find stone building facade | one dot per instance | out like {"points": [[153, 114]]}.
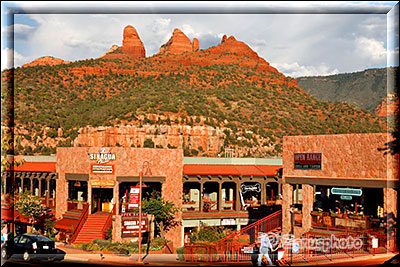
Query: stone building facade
{"points": [[347, 160], [124, 164]]}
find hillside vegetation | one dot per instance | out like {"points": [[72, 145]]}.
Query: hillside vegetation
{"points": [[253, 104]]}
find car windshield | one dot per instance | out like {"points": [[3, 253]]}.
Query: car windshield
{"points": [[41, 238]]}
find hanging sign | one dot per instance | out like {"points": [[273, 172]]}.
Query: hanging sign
{"points": [[251, 188], [134, 197], [346, 191], [308, 161]]}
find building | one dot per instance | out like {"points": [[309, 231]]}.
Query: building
{"points": [[328, 181], [338, 181]]}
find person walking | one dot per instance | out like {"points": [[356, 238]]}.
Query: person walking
{"points": [[265, 248]]}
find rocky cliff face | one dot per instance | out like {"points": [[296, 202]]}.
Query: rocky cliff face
{"points": [[179, 43], [48, 60], [131, 43], [192, 137]]}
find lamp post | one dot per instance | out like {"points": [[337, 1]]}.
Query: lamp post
{"points": [[148, 172], [140, 215]]}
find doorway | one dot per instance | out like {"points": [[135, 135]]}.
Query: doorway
{"points": [[102, 200]]}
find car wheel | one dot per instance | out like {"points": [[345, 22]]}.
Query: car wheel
{"points": [[4, 255], [26, 256]]}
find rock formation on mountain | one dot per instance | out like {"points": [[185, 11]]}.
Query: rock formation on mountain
{"points": [[179, 43], [131, 43], [195, 44], [231, 45], [47, 60]]}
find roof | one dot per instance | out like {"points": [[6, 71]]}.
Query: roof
{"points": [[232, 161], [66, 224], [36, 167], [216, 169]]}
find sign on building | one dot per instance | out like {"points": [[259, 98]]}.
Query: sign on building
{"points": [[102, 169], [228, 221], [130, 226], [308, 161], [346, 191], [134, 197]]}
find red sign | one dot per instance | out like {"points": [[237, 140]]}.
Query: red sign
{"points": [[308, 161], [131, 226], [134, 197]]}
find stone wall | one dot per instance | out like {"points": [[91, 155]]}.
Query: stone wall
{"points": [[166, 163]]}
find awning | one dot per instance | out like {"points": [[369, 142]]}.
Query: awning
{"points": [[35, 167], [216, 169], [66, 224]]}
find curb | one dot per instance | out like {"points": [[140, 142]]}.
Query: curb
{"points": [[71, 258], [360, 258]]}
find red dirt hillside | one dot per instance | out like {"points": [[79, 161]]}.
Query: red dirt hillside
{"points": [[47, 60]]}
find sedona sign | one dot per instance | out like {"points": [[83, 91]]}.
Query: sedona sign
{"points": [[102, 156], [308, 161]]}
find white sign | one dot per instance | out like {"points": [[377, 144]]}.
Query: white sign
{"points": [[228, 221], [375, 243], [248, 250], [102, 156], [295, 247], [251, 187]]}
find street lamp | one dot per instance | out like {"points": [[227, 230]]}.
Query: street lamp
{"points": [[291, 232], [148, 172]]}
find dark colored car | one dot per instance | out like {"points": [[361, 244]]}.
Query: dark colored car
{"points": [[393, 260], [31, 247]]}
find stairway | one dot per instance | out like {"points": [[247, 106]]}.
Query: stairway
{"points": [[92, 228]]}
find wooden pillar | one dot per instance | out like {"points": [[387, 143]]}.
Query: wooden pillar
{"points": [[263, 192], [238, 201], [31, 189], [40, 187], [22, 184], [219, 196], [296, 200], [48, 192], [279, 188], [4, 182], [201, 196]]}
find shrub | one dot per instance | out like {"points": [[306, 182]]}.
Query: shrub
{"points": [[181, 253]]}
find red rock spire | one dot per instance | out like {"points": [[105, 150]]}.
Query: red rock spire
{"points": [[131, 43]]}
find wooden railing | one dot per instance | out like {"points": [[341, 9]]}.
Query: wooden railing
{"points": [[81, 222], [229, 249], [108, 221]]}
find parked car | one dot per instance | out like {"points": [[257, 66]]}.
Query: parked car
{"points": [[394, 260], [31, 247]]}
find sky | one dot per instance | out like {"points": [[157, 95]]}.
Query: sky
{"points": [[299, 39]]}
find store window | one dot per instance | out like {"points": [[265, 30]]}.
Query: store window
{"points": [[77, 190]]}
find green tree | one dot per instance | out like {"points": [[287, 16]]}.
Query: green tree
{"points": [[30, 206], [164, 213]]}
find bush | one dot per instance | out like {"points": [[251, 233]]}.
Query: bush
{"points": [[181, 253]]}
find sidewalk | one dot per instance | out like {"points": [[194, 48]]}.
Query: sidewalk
{"points": [[325, 262], [107, 258]]}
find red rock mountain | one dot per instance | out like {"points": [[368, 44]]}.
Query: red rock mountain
{"points": [[131, 43], [179, 43], [47, 60]]}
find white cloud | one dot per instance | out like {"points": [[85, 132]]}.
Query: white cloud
{"points": [[7, 58], [371, 48], [295, 70]]}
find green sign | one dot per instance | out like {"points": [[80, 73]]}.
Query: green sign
{"points": [[344, 197], [346, 191]]}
